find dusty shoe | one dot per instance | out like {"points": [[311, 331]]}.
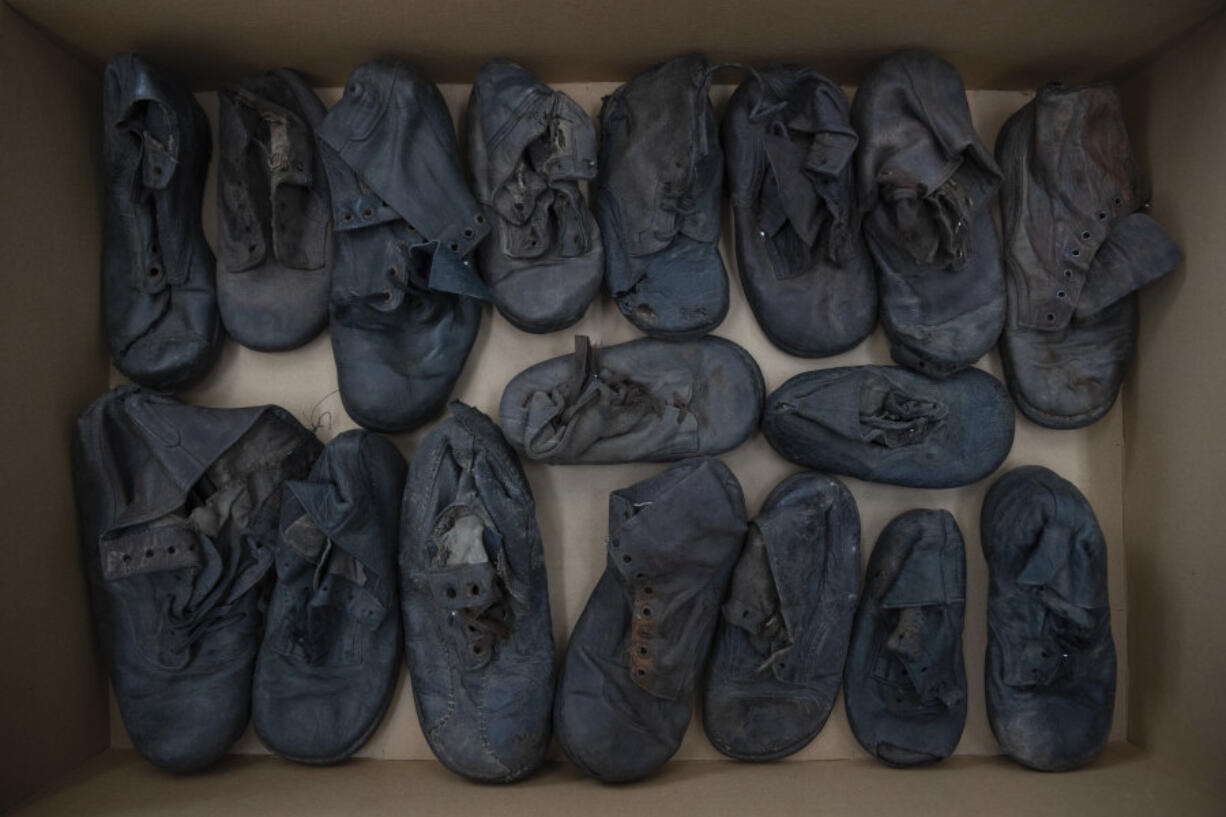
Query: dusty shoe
{"points": [[779, 649], [1050, 669], [905, 684], [178, 510], [529, 147], [1076, 251], [476, 602], [331, 653], [159, 300], [658, 200], [887, 424], [627, 685], [274, 215], [804, 267], [641, 401], [926, 182], [405, 308]]}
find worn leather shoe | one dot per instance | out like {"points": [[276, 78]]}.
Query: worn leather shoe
{"points": [[405, 297], [888, 424], [274, 214], [178, 510], [788, 146], [642, 401], [1076, 251], [925, 185], [529, 147], [626, 691], [159, 298], [779, 648], [1050, 668], [905, 685], [331, 653], [476, 602]]}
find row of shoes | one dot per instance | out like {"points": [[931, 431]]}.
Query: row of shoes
{"points": [[362, 218], [238, 570]]}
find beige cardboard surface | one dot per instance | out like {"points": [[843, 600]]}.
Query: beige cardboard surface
{"points": [[1176, 465], [997, 45], [1122, 783], [52, 695], [572, 501]]}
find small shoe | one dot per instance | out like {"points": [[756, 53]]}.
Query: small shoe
{"points": [[905, 684], [804, 266], [779, 648], [658, 200], [642, 401], [907, 429], [406, 301], [1050, 668], [627, 686], [159, 297], [178, 510], [274, 214], [529, 147], [925, 185], [1076, 251], [475, 601], [330, 660]]}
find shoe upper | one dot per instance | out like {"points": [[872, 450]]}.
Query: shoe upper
{"points": [[658, 200], [905, 682], [888, 424], [475, 600], [645, 400], [788, 146], [178, 512], [926, 182], [1050, 668], [159, 298], [405, 303], [780, 645], [274, 213], [529, 148], [1076, 250], [330, 657], [626, 691]]}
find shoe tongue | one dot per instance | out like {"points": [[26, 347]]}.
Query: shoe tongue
{"points": [[1064, 562], [1135, 252], [922, 579], [753, 600]]}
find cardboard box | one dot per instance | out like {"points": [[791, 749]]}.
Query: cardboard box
{"points": [[1152, 468]]}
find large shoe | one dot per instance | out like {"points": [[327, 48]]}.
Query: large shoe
{"points": [[642, 401], [779, 650], [274, 214], [627, 686], [905, 684], [159, 299], [475, 600], [926, 183], [529, 147], [178, 515], [405, 297], [807, 275], [331, 653], [888, 424], [1050, 669], [1076, 251], [658, 200]]}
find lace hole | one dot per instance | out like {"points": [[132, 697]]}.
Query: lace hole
{"points": [[1076, 253], [1118, 200], [647, 591], [127, 558], [640, 672], [1085, 235], [347, 217], [450, 592], [1060, 293], [1051, 316], [626, 558], [744, 614], [646, 612], [474, 590], [642, 650], [170, 549], [454, 246], [480, 219], [368, 212], [388, 296], [155, 271], [148, 554], [1102, 215], [469, 232], [1068, 273], [477, 649]]}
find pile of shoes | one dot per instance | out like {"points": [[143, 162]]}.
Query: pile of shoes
{"points": [[240, 571]]}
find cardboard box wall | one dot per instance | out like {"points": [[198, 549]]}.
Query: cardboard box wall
{"points": [[1153, 468]]}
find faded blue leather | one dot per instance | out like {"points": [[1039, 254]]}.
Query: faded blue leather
{"points": [[475, 600], [330, 659], [178, 509], [905, 682], [779, 649]]}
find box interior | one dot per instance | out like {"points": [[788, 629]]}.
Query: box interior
{"points": [[1151, 469]]}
